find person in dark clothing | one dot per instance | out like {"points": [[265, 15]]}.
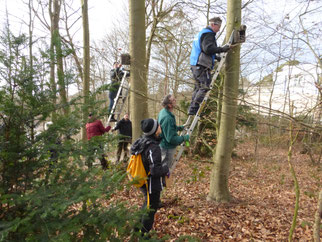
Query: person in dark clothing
{"points": [[148, 146], [202, 58], [125, 130], [116, 78], [94, 127]]}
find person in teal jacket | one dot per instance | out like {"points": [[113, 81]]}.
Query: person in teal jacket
{"points": [[170, 138]]}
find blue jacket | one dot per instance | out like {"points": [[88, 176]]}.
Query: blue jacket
{"points": [[197, 55]]}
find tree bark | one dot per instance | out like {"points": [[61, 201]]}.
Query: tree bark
{"points": [[86, 63], [59, 57], [53, 84], [318, 217], [31, 27], [57, 54], [219, 190], [138, 101]]}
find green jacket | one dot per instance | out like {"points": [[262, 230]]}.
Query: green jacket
{"points": [[170, 137]]}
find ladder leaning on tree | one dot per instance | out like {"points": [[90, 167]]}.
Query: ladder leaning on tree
{"points": [[123, 91], [236, 37]]}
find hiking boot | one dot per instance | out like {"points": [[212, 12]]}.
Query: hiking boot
{"points": [[125, 159], [113, 119], [161, 204]]}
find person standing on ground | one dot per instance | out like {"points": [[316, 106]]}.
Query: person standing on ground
{"points": [[94, 127], [125, 130], [202, 58], [148, 147], [170, 138]]}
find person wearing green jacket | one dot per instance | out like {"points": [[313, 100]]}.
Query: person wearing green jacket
{"points": [[170, 138]]}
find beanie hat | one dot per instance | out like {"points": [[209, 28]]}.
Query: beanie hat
{"points": [[149, 126]]}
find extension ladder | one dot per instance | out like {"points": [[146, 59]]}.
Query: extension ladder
{"points": [[236, 37], [119, 100]]}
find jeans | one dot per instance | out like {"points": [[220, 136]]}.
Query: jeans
{"points": [[111, 96], [167, 156]]}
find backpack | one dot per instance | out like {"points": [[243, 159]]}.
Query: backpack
{"points": [[137, 173]]}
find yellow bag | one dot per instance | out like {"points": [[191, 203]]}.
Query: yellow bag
{"points": [[137, 174]]}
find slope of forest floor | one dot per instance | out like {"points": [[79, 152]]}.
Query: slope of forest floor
{"points": [[263, 199]]}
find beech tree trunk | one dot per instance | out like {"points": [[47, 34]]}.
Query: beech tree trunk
{"points": [[138, 100], [219, 190], [317, 222], [53, 84], [57, 54], [86, 63]]}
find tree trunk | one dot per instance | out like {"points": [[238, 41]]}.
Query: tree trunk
{"points": [[53, 84], [30, 27], [71, 44], [219, 190], [138, 101], [59, 57], [57, 54], [318, 217], [86, 63]]}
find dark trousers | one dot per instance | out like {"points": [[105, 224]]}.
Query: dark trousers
{"points": [[103, 162], [102, 158], [147, 220], [202, 78], [122, 146]]}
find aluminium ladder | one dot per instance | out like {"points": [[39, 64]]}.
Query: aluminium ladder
{"points": [[120, 100], [236, 37]]}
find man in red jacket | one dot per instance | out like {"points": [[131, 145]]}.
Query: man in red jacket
{"points": [[94, 127]]}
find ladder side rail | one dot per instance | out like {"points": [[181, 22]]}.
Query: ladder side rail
{"points": [[123, 99], [117, 98], [197, 116], [182, 146], [184, 131], [125, 90]]}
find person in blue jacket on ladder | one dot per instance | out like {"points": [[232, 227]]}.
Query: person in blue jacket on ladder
{"points": [[202, 58]]}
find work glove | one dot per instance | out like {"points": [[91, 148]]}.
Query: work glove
{"points": [[186, 137], [225, 48], [180, 128], [185, 125], [218, 58]]}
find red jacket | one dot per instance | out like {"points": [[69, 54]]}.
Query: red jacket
{"points": [[95, 128]]}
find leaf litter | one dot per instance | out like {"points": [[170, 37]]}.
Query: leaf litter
{"points": [[262, 205]]}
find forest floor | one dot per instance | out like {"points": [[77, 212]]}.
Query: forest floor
{"points": [[263, 199]]}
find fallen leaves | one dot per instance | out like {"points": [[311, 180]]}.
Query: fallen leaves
{"points": [[262, 206]]}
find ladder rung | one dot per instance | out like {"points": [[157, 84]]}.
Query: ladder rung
{"points": [[202, 104]]}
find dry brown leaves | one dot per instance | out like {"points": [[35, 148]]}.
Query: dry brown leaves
{"points": [[263, 199]]}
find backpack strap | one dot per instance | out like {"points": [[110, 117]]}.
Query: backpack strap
{"points": [[147, 195], [145, 161]]}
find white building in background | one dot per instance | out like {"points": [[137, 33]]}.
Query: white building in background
{"points": [[294, 84]]}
